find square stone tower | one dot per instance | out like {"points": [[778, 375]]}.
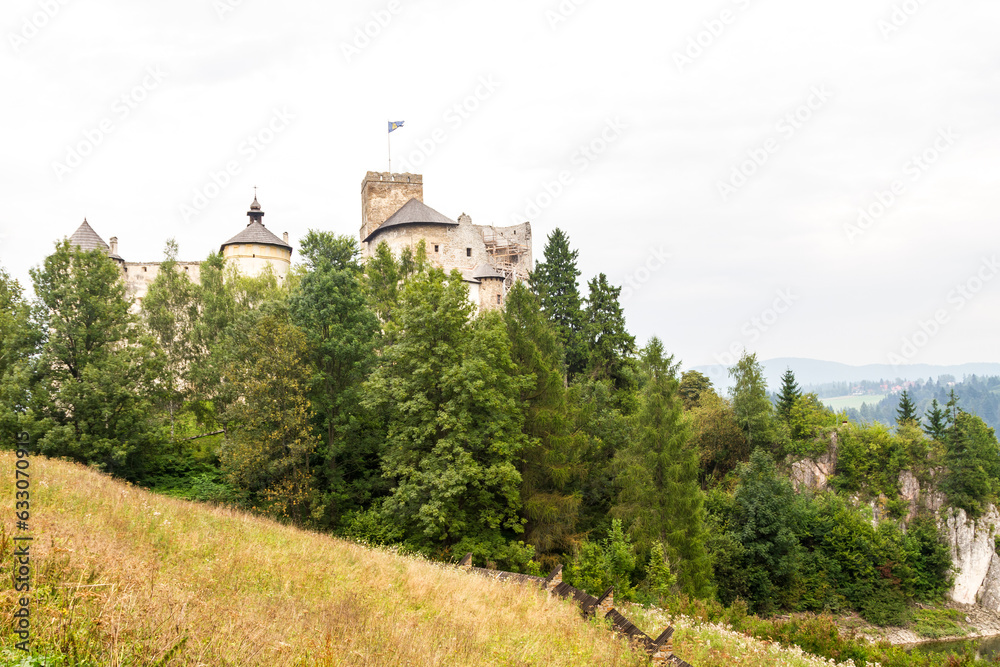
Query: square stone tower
{"points": [[382, 194]]}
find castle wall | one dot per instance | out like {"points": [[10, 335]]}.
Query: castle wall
{"points": [[139, 276]]}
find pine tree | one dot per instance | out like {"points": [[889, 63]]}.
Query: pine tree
{"points": [[555, 282], [936, 423], [788, 395], [609, 344], [660, 498], [906, 412]]}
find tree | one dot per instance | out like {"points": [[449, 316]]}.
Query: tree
{"points": [[693, 385], [718, 437], [609, 345], [555, 282], [551, 467], [972, 457], [659, 497], [751, 406], [936, 421], [18, 340], [449, 391], [762, 522], [329, 307], [95, 371], [788, 395], [906, 412], [269, 444], [170, 312]]}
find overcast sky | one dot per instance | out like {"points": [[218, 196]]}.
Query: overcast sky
{"points": [[713, 158]]}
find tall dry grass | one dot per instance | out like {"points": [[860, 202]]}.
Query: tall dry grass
{"points": [[126, 577]]}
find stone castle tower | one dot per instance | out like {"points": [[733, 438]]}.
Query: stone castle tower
{"points": [[491, 259]]}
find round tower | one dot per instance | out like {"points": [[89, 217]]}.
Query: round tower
{"points": [[255, 248]]}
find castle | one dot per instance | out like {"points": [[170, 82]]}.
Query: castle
{"points": [[490, 259]]}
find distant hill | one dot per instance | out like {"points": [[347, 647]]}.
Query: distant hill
{"points": [[816, 372]]}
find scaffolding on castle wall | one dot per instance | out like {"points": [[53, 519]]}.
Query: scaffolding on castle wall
{"points": [[506, 256]]}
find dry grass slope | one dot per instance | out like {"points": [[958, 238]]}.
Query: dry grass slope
{"points": [[125, 577]]}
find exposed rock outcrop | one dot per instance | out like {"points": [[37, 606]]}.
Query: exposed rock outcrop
{"points": [[972, 544]]}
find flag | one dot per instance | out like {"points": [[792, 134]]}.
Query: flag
{"points": [[397, 124]]}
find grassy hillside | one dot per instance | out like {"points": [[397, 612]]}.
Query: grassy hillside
{"points": [[125, 577]]}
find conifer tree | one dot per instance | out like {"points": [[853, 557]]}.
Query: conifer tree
{"points": [[609, 344], [936, 421], [788, 395], [906, 412], [659, 496], [554, 280], [551, 469]]}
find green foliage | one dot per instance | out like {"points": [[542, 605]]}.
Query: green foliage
{"points": [[906, 412], [928, 554], [596, 566], [938, 623], [609, 345], [552, 466], [936, 423], [659, 496], [693, 385], [751, 406], [869, 459], [170, 312], [660, 581], [718, 437], [554, 280], [496, 553], [788, 396], [809, 422], [18, 340], [341, 332], [94, 375], [761, 552], [448, 389], [972, 457], [269, 444]]}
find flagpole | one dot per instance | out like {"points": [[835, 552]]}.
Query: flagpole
{"points": [[389, 141]]}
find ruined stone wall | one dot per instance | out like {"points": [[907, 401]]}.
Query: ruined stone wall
{"points": [[382, 194]]}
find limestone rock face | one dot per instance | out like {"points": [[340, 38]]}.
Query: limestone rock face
{"points": [[814, 473], [972, 552], [988, 595]]}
